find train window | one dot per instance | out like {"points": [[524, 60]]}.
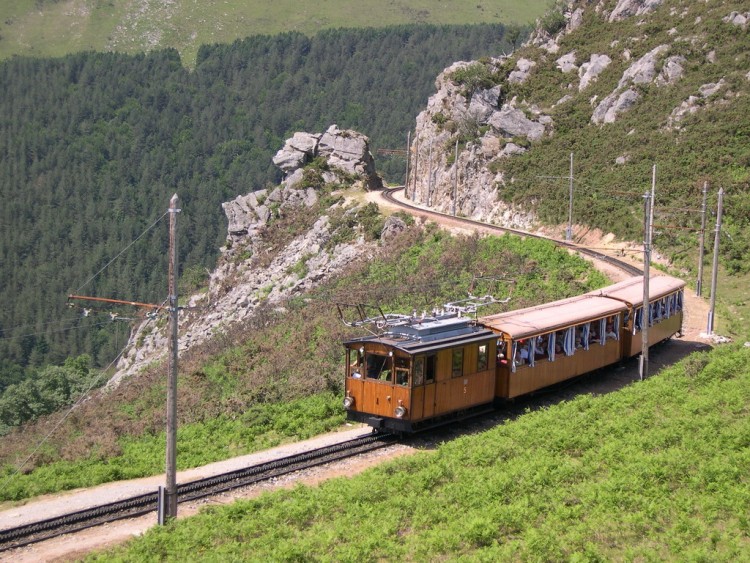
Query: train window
{"points": [[430, 368], [419, 370], [568, 341], [482, 357], [457, 364], [379, 367], [356, 359], [402, 371]]}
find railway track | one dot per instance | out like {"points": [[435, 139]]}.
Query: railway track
{"points": [[143, 504], [388, 195]]}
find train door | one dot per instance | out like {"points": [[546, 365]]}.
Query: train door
{"points": [[424, 375]]}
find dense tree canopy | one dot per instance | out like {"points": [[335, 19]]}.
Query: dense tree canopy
{"points": [[94, 144]]}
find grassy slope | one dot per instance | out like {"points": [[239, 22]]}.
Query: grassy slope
{"points": [[134, 25], [277, 380], [656, 471]]}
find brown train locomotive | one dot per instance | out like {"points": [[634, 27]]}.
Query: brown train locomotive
{"points": [[421, 371]]}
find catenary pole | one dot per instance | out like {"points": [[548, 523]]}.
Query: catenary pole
{"points": [[429, 178], [416, 165], [643, 366], [569, 234], [408, 156], [455, 179], [715, 269], [701, 243], [171, 486]]}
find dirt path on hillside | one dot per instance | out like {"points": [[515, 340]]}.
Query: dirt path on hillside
{"points": [[75, 546]]}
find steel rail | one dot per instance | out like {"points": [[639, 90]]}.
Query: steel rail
{"points": [[138, 505], [624, 266]]}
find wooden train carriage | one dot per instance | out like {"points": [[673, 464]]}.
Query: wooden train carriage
{"points": [[543, 345], [421, 372], [665, 309]]}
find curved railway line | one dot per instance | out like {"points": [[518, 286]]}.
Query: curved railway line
{"points": [[145, 503], [388, 195]]}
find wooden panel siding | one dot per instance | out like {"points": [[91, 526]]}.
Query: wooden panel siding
{"points": [[656, 333], [527, 378], [377, 397]]}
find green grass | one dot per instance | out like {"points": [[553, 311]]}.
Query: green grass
{"points": [[199, 443], [657, 471], [244, 395], [53, 28]]}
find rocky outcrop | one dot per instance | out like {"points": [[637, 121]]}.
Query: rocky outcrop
{"points": [[237, 287], [693, 104], [346, 152], [739, 19], [627, 8], [590, 70], [643, 71], [498, 129]]}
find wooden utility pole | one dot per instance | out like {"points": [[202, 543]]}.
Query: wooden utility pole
{"points": [[701, 243], [429, 178], [715, 269], [643, 366], [416, 165], [455, 178], [408, 157], [171, 486], [569, 234]]}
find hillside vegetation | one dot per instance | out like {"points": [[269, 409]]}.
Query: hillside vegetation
{"points": [[655, 472], [52, 28], [95, 144], [278, 377]]}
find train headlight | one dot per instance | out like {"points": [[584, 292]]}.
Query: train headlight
{"points": [[400, 411], [348, 402]]}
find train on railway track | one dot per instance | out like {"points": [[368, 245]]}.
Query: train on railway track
{"points": [[420, 371]]}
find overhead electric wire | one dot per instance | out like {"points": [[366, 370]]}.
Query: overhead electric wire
{"points": [[121, 252], [80, 399], [65, 329]]}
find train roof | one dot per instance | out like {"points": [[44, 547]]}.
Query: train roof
{"points": [[557, 315], [631, 290], [421, 335]]}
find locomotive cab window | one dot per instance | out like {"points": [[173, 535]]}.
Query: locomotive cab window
{"points": [[379, 367], [355, 363]]}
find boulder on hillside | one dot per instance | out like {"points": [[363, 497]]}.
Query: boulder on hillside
{"points": [[297, 151], [514, 123], [627, 8], [344, 150]]}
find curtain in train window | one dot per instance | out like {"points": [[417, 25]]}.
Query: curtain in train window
{"points": [[670, 305], [569, 342], [617, 324], [532, 351], [585, 335], [638, 324], [602, 331], [551, 346], [513, 357], [678, 307]]}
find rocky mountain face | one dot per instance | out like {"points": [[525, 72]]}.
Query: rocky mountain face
{"points": [[482, 115], [239, 285], [471, 127]]}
